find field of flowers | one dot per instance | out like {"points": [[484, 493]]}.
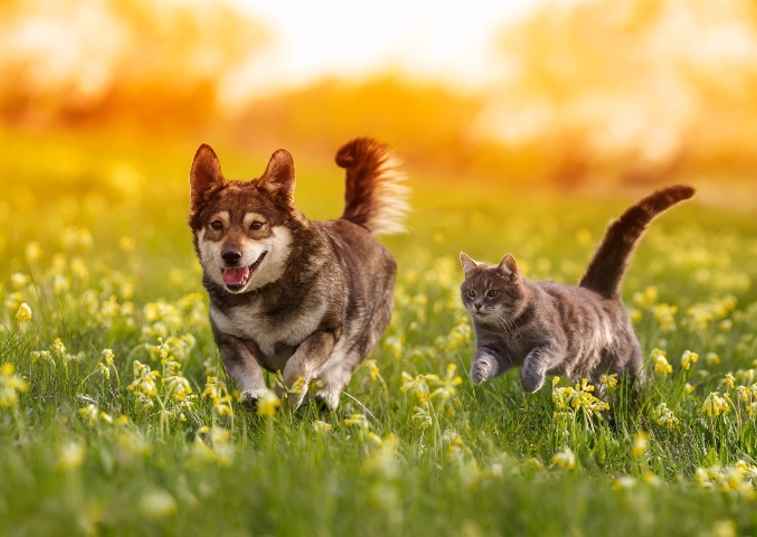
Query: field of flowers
{"points": [[116, 417]]}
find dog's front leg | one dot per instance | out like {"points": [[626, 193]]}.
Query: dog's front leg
{"points": [[307, 359], [243, 367]]}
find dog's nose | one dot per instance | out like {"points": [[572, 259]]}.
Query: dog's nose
{"points": [[231, 257]]}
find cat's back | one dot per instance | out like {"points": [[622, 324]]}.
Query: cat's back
{"points": [[580, 308]]}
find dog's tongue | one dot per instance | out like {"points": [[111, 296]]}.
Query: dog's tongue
{"points": [[235, 276]]}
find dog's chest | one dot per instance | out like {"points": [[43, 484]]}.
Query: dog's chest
{"points": [[274, 335]]}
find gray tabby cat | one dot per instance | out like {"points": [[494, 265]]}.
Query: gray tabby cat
{"points": [[557, 329]]}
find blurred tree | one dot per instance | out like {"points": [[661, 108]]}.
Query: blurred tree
{"points": [[646, 87], [119, 60], [427, 122]]}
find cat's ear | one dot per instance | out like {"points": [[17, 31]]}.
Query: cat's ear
{"points": [[509, 266], [468, 264]]}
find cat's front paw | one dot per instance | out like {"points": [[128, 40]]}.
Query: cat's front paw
{"points": [[480, 371], [531, 381]]}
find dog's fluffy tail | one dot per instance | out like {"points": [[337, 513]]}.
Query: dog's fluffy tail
{"points": [[375, 197], [610, 262]]}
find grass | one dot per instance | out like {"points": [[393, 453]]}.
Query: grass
{"points": [[103, 258]]}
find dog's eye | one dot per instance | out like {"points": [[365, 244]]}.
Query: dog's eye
{"points": [[492, 293], [471, 293], [256, 225], [217, 225]]}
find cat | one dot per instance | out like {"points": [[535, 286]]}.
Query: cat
{"points": [[550, 328]]}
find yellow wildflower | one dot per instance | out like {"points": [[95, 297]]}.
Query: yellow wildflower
{"points": [[417, 384], [422, 416], [157, 503], [373, 369], [177, 386], [564, 459], [712, 358], [222, 406], [59, 348], [321, 427], [609, 380], [18, 280], [42, 355], [268, 403], [126, 244], [215, 388], [715, 405], [724, 528], [10, 385], [24, 314], [665, 315], [296, 388], [661, 365], [624, 482], [108, 356], [33, 252], [446, 384], [144, 380], [358, 420], [640, 444], [729, 380], [664, 417], [646, 298], [89, 414], [71, 455], [688, 359]]}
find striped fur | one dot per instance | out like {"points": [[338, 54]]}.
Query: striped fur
{"points": [[550, 328], [610, 262], [375, 197]]}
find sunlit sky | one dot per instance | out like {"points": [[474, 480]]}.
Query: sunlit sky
{"points": [[451, 41]]}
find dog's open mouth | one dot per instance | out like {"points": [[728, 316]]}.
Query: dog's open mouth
{"points": [[236, 278]]}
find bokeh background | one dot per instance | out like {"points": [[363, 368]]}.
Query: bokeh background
{"points": [[103, 103]]}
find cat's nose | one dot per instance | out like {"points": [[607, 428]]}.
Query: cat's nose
{"points": [[477, 305]]}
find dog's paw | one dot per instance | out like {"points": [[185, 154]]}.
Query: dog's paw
{"points": [[250, 399], [327, 400], [480, 371]]}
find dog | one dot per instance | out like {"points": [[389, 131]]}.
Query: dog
{"points": [[307, 298]]}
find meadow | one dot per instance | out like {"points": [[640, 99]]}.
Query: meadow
{"points": [[116, 417]]}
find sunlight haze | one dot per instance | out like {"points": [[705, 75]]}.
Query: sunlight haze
{"points": [[449, 42]]}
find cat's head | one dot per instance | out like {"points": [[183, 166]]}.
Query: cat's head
{"points": [[492, 290]]}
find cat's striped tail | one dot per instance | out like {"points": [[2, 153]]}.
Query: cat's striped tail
{"points": [[375, 197], [610, 261]]}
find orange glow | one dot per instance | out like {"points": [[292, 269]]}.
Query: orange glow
{"points": [[564, 93]]}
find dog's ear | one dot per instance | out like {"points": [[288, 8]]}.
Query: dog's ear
{"points": [[204, 176], [278, 179]]}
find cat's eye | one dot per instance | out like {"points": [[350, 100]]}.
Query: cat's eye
{"points": [[256, 225], [492, 293], [217, 225], [471, 293]]}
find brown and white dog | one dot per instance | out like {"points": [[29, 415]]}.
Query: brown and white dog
{"points": [[310, 299]]}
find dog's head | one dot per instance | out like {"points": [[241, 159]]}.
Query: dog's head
{"points": [[242, 230]]}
